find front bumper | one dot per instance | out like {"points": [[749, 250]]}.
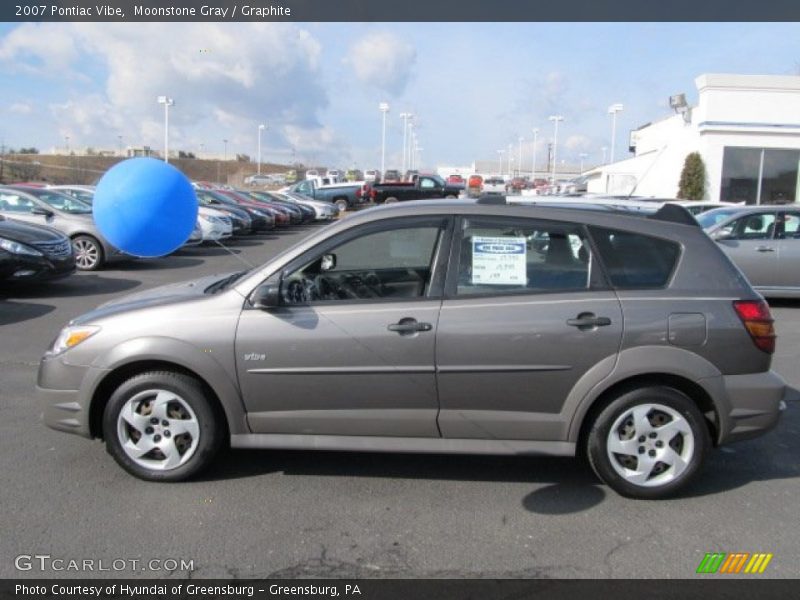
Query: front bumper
{"points": [[59, 390]]}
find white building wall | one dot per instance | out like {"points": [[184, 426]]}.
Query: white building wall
{"points": [[754, 111]]}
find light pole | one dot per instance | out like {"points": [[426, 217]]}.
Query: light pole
{"points": [[510, 155], [384, 108], [555, 119], [582, 156], [119, 144], [604, 149], [519, 163], [226, 149], [167, 102], [200, 152], [533, 162], [66, 140], [613, 110], [419, 155], [406, 118], [500, 154], [261, 128]]}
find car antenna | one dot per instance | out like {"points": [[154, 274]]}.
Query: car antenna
{"points": [[646, 171], [232, 253]]}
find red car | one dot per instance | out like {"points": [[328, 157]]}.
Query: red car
{"points": [[282, 218]]}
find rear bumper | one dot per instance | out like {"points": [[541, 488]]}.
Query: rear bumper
{"points": [[755, 402]]}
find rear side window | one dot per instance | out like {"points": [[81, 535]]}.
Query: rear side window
{"points": [[635, 261]]}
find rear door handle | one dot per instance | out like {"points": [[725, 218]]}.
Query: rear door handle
{"points": [[409, 326], [588, 321], [765, 249]]}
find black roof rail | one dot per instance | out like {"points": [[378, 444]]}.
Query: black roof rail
{"points": [[674, 213], [491, 199]]}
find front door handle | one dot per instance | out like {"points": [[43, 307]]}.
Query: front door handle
{"points": [[765, 249], [588, 321], [409, 326]]}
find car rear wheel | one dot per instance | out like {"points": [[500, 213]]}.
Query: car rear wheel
{"points": [[161, 426], [648, 443], [341, 204], [451, 196], [390, 200], [89, 255]]}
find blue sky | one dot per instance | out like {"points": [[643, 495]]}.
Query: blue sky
{"points": [[474, 87]]}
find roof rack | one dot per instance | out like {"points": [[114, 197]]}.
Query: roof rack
{"points": [[667, 212]]}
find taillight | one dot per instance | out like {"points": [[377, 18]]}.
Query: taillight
{"points": [[758, 321]]}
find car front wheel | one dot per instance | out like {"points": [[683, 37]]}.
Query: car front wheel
{"points": [[89, 254], [161, 426], [341, 204], [648, 443]]}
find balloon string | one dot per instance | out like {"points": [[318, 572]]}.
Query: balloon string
{"points": [[232, 253]]}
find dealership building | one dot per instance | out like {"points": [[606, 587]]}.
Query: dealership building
{"points": [[745, 127]]}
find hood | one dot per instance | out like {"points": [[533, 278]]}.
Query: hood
{"points": [[164, 295], [28, 233]]}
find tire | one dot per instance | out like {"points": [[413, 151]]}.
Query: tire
{"points": [[183, 405], [342, 204], [390, 200], [672, 429], [89, 254], [451, 196]]}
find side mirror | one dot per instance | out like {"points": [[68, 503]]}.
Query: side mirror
{"points": [[328, 262], [38, 210], [722, 234], [267, 295]]}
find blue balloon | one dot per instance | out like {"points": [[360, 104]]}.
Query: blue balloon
{"points": [[145, 207]]}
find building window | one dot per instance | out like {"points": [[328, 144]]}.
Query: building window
{"points": [[760, 175]]}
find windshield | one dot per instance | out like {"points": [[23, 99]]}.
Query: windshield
{"points": [[712, 217]]}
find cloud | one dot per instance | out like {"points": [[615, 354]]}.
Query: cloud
{"points": [[20, 108], [579, 143], [383, 61], [225, 78]]}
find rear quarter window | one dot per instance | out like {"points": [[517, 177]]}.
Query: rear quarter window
{"points": [[635, 261]]}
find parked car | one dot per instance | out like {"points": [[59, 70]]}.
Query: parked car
{"points": [[372, 176], [431, 295], [391, 176], [697, 207], [344, 196], [457, 181], [301, 214], [423, 187], [335, 175], [215, 224], [494, 185], [241, 222], [324, 211], [282, 218], [763, 241], [33, 252], [196, 237], [81, 192], [474, 186], [260, 219], [517, 184], [72, 217], [258, 180]]}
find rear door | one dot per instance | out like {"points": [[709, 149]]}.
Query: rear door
{"points": [[526, 314]]}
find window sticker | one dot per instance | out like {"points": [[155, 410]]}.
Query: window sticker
{"points": [[499, 261]]}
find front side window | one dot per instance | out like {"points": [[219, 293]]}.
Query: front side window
{"points": [[635, 261], [788, 226], [525, 256], [759, 226], [64, 202], [393, 264]]}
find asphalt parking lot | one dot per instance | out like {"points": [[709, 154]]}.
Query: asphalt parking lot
{"points": [[306, 514]]}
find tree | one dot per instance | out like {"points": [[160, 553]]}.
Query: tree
{"points": [[30, 150], [692, 185], [243, 158]]}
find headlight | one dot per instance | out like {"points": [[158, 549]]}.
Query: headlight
{"points": [[71, 336], [17, 248]]}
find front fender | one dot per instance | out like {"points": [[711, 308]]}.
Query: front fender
{"points": [[170, 350]]}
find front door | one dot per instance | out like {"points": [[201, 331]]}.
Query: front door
{"points": [[525, 316], [350, 351], [751, 244]]}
